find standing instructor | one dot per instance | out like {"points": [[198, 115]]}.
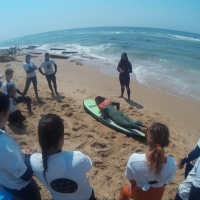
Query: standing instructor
{"points": [[49, 72], [124, 68]]}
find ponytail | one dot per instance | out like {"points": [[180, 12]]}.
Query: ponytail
{"points": [[45, 160], [50, 131], [158, 138]]}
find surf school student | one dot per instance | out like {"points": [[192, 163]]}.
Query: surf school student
{"points": [[18, 99], [189, 189], [124, 68], [15, 171], [15, 115], [30, 68], [62, 172], [148, 173], [50, 73], [117, 116], [190, 159]]}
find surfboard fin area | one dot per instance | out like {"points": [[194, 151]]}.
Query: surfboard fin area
{"points": [[92, 109]]}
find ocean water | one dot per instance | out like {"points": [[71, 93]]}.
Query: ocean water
{"points": [[164, 59]]}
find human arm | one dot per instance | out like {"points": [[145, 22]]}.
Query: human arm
{"points": [[195, 187], [129, 68], [55, 66], [19, 92], [194, 154], [29, 67], [31, 70], [117, 104], [40, 70]]}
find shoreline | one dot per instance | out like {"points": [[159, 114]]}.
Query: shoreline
{"points": [[108, 149]]}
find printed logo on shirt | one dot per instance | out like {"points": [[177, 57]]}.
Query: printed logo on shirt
{"points": [[64, 185], [48, 65]]}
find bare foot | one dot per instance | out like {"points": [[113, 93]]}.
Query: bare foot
{"points": [[121, 96]]}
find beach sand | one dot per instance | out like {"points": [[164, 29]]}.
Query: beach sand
{"points": [[108, 149]]}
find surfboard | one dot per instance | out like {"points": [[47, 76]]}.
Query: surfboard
{"points": [[92, 109]]}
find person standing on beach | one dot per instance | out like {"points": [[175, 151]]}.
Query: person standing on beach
{"points": [[15, 170], [63, 173], [124, 68], [149, 173], [189, 189], [18, 99], [190, 159], [30, 68], [50, 73]]}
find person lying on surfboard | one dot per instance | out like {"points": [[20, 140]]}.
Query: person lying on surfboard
{"points": [[118, 117]]}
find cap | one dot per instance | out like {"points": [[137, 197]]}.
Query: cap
{"points": [[124, 54]]}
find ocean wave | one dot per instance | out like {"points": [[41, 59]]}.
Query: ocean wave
{"points": [[184, 37]]}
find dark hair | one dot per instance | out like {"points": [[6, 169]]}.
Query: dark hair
{"points": [[9, 71], [27, 55], [46, 54], [99, 100], [158, 138], [4, 103], [50, 131]]}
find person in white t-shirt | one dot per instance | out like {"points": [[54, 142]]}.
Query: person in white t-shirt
{"points": [[149, 173], [30, 68], [18, 99], [62, 172], [50, 73], [189, 189], [15, 170], [15, 115]]}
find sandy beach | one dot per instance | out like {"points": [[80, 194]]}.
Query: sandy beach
{"points": [[108, 149]]}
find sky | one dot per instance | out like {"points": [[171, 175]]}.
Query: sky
{"points": [[25, 17]]}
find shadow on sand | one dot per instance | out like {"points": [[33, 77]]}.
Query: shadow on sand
{"points": [[134, 104]]}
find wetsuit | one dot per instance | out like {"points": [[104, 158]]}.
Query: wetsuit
{"points": [[117, 116], [124, 77]]}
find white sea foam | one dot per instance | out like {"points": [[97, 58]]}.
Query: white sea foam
{"points": [[183, 37]]}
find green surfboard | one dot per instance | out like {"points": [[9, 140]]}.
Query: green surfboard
{"points": [[91, 108]]}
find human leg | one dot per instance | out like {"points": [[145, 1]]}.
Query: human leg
{"points": [[129, 123], [121, 80], [53, 78], [127, 82], [48, 77], [34, 81], [25, 99], [30, 192], [126, 193], [92, 196], [27, 85]]}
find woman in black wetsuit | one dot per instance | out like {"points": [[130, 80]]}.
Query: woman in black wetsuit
{"points": [[124, 68], [117, 116]]}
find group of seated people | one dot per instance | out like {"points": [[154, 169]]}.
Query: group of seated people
{"points": [[63, 173]]}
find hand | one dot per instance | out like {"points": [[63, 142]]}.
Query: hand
{"points": [[180, 165], [101, 118], [121, 71], [25, 151], [35, 67]]}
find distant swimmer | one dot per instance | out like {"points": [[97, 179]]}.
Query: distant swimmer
{"points": [[124, 68], [50, 69]]}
